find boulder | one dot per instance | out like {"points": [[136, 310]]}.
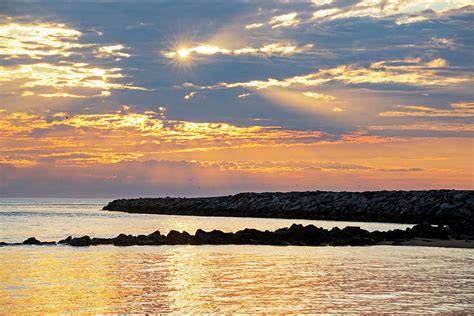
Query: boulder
{"points": [[65, 241], [157, 238], [176, 238], [425, 230], [215, 237], [32, 241], [124, 240], [101, 241], [81, 241], [253, 236]]}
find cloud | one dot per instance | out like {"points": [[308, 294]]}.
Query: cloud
{"points": [[278, 21], [125, 134], [284, 20], [322, 14], [320, 96], [442, 42], [65, 95], [273, 49], [38, 40], [404, 12], [407, 72], [111, 51], [58, 76], [321, 2], [411, 19], [190, 95], [288, 166], [194, 178], [465, 109], [430, 127], [254, 26], [63, 79]]}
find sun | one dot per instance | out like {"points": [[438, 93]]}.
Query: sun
{"points": [[183, 53], [179, 53]]}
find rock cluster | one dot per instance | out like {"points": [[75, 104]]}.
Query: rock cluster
{"points": [[34, 241], [297, 235], [433, 206]]}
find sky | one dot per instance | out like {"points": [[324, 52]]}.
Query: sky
{"points": [[202, 98]]}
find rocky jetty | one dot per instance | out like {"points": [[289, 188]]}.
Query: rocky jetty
{"points": [[296, 235], [433, 206]]}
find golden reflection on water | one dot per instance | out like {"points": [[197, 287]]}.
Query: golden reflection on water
{"points": [[55, 281], [235, 279]]}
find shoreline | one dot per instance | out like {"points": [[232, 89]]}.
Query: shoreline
{"points": [[295, 235]]}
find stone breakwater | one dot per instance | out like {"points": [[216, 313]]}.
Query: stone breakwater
{"points": [[433, 206], [296, 235]]}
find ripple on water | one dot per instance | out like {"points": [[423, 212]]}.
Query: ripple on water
{"points": [[236, 279]]}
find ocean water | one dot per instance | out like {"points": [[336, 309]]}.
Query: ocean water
{"points": [[230, 278], [54, 219]]}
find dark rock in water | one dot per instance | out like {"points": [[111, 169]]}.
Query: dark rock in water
{"points": [[425, 230], [65, 241], [253, 237], [101, 241], [157, 238], [215, 237], [309, 235], [155, 235], [447, 207], [125, 240], [32, 241], [296, 234], [81, 241], [355, 230], [396, 234], [176, 238]]}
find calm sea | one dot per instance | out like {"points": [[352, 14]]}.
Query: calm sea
{"points": [[213, 278]]}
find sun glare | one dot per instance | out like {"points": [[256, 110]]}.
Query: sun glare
{"points": [[183, 53], [179, 53]]}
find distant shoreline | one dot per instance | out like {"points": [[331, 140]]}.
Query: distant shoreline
{"points": [[437, 207]]}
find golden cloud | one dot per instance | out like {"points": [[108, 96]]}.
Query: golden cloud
{"points": [[38, 40], [285, 20], [273, 49], [254, 26], [408, 72], [60, 78], [319, 96], [190, 95], [278, 21], [108, 137], [63, 79], [407, 12], [99, 144], [465, 109], [438, 126], [111, 51]]}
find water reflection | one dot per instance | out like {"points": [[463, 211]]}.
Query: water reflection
{"points": [[235, 279]]}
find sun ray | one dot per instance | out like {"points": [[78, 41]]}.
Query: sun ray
{"points": [[178, 53]]}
